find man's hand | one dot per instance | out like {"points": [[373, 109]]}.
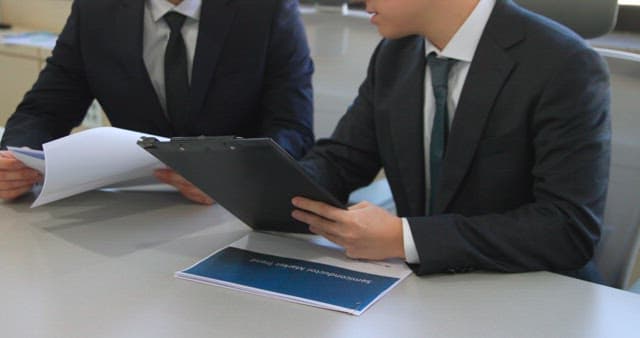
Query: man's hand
{"points": [[365, 231], [16, 179], [185, 187]]}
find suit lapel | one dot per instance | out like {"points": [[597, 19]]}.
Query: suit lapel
{"points": [[215, 20], [489, 71], [129, 29], [407, 128]]}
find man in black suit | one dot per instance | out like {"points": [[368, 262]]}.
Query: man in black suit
{"points": [[492, 125], [171, 68]]}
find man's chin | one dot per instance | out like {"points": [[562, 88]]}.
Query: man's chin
{"points": [[392, 35]]}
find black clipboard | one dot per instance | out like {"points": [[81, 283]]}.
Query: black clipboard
{"points": [[253, 178]]}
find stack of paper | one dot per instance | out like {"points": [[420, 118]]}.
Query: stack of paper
{"points": [[88, 160]]}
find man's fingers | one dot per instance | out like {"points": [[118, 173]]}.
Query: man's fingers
{"points": [[15, 178], [20, 175], [13, 185], [5, 154], [335, 239], [13, 194], [197, 196], [360, 205], [318, 223], [185, 187], [320, 208], [170, 177], [9, 162], [321, 227]]}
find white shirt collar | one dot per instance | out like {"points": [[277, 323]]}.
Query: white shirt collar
{"points": [[464, 43], [188, 8]]}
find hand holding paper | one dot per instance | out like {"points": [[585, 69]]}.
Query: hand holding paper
{"points": [[87, 160], [16, 179]]}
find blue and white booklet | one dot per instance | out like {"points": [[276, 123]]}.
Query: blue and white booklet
{"points": [[299, 268]]}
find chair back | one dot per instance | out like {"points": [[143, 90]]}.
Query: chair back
{"points": [[618, 246], [619, 241], [589, 18]]}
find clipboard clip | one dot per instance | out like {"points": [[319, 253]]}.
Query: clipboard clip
{"points": [[147, 142]]}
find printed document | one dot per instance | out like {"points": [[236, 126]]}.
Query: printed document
{"points": [[303, 269], [91, 159]]}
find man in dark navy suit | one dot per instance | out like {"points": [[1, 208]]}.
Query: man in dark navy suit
{"points": [[171, 68], [492, 124]]}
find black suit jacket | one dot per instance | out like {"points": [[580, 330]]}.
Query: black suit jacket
{"points": [[251, 75], [526, 169]]}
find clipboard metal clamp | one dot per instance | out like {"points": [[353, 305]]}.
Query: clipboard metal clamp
{"points": [[147, 142]]}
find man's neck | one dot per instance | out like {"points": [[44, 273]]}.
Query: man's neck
{"points": [[175, 2], [445, 21]]}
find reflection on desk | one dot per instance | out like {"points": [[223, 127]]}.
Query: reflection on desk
{"points": [[101, 264]]}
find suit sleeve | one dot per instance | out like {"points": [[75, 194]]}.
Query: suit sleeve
{"points": [[60, 97], [560, 229], [287, 99]]}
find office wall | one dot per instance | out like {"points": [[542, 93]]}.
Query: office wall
{"points": [[47, 15], [340, 47], [20, 66]]}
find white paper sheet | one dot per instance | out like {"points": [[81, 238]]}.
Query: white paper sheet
{"points": [[88, 160]]}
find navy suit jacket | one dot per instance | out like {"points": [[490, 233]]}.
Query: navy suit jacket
{"points": [[251, 75], [525, 174]]}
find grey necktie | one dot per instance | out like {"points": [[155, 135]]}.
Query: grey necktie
{"points": [[439, 68], [176, 74]]}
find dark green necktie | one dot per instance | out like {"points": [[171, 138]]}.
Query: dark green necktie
{"points": [[440, 131], [176, 73]]}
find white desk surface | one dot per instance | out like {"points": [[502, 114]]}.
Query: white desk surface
{"points": [[101, 264]]}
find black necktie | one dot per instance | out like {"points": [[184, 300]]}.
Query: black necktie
{"points": [[176, 73], [439, 133]]}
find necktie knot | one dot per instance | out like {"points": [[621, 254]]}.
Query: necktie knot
{"points": [[440, 68], [175, 21]]}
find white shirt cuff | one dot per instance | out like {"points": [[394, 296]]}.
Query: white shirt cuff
{"points": [[410, 251]]}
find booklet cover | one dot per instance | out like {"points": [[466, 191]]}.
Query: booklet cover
{"points": [[303, 270]]}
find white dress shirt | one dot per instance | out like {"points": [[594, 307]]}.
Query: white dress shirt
{"points": [[156, 36], [462, 48]]}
